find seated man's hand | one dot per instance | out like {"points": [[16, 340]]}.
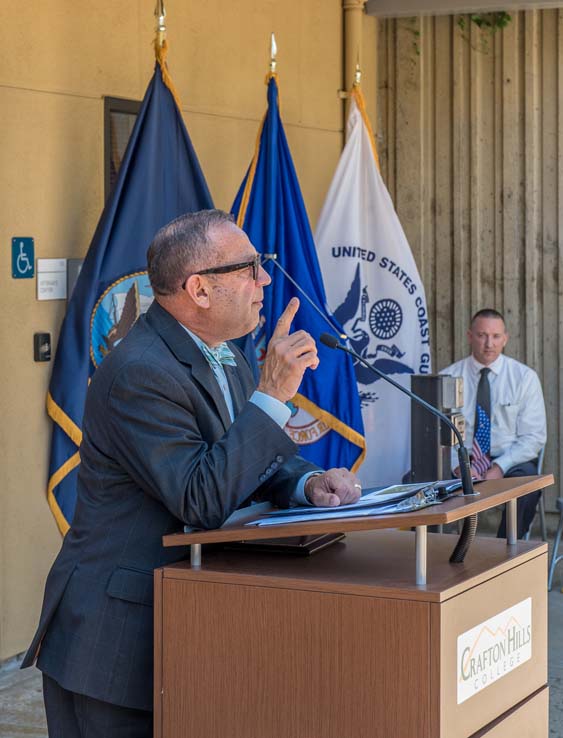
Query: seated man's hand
{"points": [[495, 472], [474, 473], [332, 488]]}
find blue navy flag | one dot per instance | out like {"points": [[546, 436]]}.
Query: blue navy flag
{"points": [[159, 179], [326, 418]]}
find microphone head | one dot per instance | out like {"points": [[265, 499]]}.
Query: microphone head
{"points": [[329, 340]]}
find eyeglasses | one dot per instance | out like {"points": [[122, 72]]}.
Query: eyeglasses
{"points": [[254, 263]]}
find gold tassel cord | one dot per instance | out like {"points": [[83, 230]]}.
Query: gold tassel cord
{"points": [[358, 96], [160, 52]]}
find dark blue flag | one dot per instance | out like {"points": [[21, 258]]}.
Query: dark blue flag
{"points": [[159, 179], [326, 418]]}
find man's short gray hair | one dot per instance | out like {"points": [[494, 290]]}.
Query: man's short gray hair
{"points": [[180, 247]]}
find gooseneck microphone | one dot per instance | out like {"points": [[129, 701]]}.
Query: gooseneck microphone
{"points": [[470, 523]]}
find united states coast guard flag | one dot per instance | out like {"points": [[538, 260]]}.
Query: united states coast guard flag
{"points": [[158, 180], [375, 292], [326, 418]]}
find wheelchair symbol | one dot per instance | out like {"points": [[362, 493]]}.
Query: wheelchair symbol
{"points": [[23, 265]]}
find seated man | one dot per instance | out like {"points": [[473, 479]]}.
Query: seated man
{"points": [[174, 433], [504, 411]]}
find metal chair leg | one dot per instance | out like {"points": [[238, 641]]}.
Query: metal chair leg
{"points": [[543, 527], [554, 557], [542, 519]]}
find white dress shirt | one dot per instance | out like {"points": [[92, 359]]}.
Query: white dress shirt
{"points": [[518, 424]]}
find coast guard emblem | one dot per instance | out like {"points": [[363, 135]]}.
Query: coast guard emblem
{"points": [[373, 332]]}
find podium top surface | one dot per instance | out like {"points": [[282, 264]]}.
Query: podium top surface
{"points": [[366, 563], [491, 493]]}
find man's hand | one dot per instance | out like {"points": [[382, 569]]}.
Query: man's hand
{"points": [[495, 472], [474, 473], [287, 357], [334, 487]]}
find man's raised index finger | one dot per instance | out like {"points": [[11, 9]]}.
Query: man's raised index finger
{"points": [[284, 323]]}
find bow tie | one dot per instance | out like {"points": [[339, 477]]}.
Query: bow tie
{"points": [[220, 354]]}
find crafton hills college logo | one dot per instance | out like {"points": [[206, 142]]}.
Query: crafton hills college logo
{"points": [[494, 648], [116, 310]]}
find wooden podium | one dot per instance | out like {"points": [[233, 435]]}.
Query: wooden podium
{"points": [[345, 643]]}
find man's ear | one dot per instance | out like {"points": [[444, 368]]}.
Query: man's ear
{"points": [[198, 290]]}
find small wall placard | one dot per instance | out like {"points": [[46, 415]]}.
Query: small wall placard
{"points": [[51, 279]]}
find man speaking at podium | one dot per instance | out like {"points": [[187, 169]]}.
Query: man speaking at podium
{"points": [[174, 433]]}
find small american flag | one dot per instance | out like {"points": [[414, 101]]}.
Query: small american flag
{"points": [[479, 461]]}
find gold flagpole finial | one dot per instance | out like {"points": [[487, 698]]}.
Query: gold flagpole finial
{"points": [[160, 15], [273, 54], [357, 74]]}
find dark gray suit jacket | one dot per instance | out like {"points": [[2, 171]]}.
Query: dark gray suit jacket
{"points": [[158, 451]]}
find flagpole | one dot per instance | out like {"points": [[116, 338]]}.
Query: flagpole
{"points": [[273, 54], [160, 15], [353, 12], [357, 74], [358, 95], [161, 49]]}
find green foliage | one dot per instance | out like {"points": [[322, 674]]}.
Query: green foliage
{"points": [[487, 23], [490, 22], [411, 27]]}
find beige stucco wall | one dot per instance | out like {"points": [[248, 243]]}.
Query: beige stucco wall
{"points": [[57, 61]]}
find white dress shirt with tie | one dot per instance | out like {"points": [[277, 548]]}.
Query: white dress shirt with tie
{"points": [[518, 425]]}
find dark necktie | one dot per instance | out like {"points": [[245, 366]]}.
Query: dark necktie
{"points": [[482, 432]]}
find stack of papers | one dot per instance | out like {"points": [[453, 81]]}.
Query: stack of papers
{"points": [[396, 498]]}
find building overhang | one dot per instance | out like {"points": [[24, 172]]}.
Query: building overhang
{"points": [[397, 8]]}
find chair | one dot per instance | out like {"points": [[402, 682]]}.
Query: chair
{"points": [[554, 557], [541, 505]]}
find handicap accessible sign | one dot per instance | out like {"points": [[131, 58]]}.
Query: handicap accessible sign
{"points": [[23, 257]]}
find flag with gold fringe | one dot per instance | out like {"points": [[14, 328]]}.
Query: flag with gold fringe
{"points": [[326, 418], [374, 288], [159, 179]]}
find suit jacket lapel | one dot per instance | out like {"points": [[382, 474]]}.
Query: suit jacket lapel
{"points": [[183, 347], [238, 394], [203, 374]]}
